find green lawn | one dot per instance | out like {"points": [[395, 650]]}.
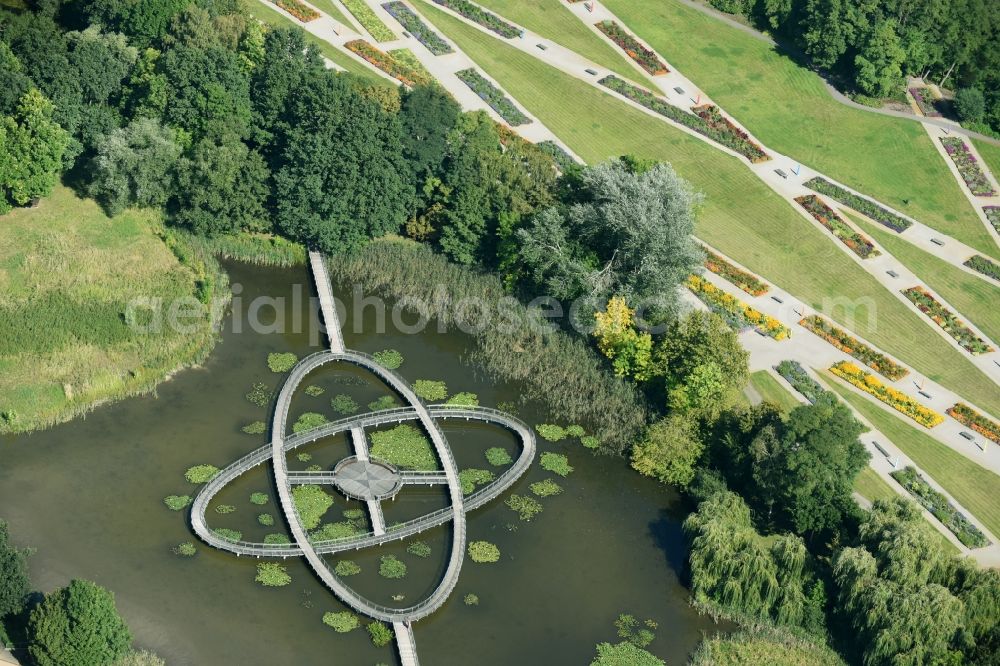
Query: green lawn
{"points": [[330, 8], [975, 299], [991, 155], [741, 216], [788, 108], [273, 18], [68, 279], [772, 391], [975, 487], [872, 487], [552, 19]]}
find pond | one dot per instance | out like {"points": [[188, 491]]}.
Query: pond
{"points": [[88, 496]]}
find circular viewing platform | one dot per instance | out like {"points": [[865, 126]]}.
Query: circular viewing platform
{"points": [[366, 480]]}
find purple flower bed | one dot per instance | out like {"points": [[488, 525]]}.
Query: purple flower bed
{"points": [[968, 166]]}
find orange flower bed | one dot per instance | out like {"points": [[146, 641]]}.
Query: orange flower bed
{"points": [[966, 415], [301, 11], [898, 400]]}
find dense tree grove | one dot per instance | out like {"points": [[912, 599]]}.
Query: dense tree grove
{"points": [[872, 44], [14, 581]]}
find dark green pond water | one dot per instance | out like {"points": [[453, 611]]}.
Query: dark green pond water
{"points": [[88, 496]]}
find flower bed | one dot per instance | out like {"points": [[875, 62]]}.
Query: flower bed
{"points": [[968, 416], [493, 96], [924, 100], [391, 66], [848, 344], [944, 318], [416, 27], [860, 204], [800, 380], [678, 115], [737, 314], [968, 166], [984, 266], [993, 215], [746, 281], [645, 57], [825, 215], [898, 400], [562, 159], [482, 17], [740, 141], [369, 20], [943, 510], [299, 10]]}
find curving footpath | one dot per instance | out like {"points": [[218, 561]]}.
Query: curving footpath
{"points": [[280, 445]]}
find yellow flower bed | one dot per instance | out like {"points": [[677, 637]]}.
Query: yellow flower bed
{"points": [[737, 313], [898, 400]]}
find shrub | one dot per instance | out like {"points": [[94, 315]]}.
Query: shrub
{"points": [[265, 519], [281, 362], [177, 502], [938, 504], [342, 622], [484, 18], [646, 58], [864, 206], [385, 402], [259, 394], [800, 380], [185, 549], [228, 534], [984, 266], [309, 421], [311, 502], [483, 552], [856, 242], [369, 20], [556, 463], [314, 391], [970, 104], [843, 341], [389, 358], [464, 399], [947, 320], [470, 600], [276, 539], [526, 507], [272, 574], [201, 473], [344, 404], [416, 27], [493, 96], [470, 478], [745, 280], [735, 312], [255, 428], [391, 567], [404, 446], [546, 488], [419, 549], [896, 399], [380, 634], [564, 161], [498, 457], [260, 499], [224, 509], [551, 433], [346, 568], [394, 67], [430, 390]]}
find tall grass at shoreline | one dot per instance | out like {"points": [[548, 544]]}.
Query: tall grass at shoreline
{"points": [[557, 370]]}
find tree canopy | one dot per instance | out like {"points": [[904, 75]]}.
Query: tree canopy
{"points": [[78, 625]]}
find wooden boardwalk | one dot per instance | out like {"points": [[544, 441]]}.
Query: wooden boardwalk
{"points": [[406, 644], [374, 506], [327, 304]]}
